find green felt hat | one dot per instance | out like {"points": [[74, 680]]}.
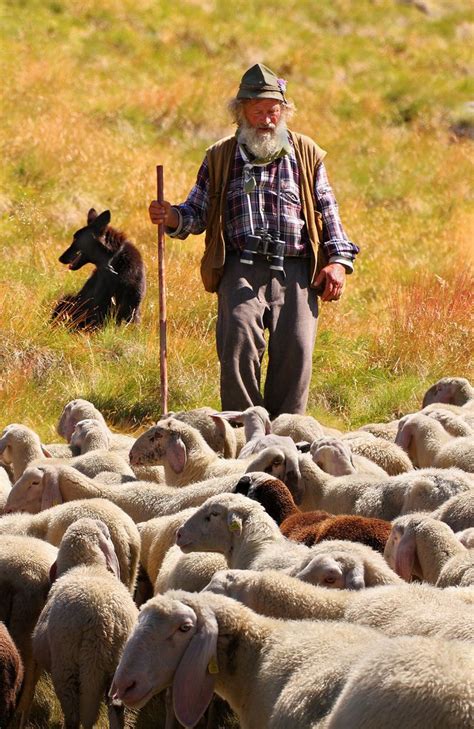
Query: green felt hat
{"points": [[259, 82]]}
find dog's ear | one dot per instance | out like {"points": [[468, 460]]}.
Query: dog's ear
{"points": [[91, 216], [100, 223]]}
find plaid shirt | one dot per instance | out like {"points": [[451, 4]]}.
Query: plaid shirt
{"points": [[263, 201]]}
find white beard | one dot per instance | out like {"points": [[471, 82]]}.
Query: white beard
{"points": [[260, 143]]}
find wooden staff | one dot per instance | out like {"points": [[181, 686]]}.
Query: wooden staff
{"points": [[162, 297]]}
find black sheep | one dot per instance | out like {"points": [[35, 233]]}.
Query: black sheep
{"points": [[117, 286]]}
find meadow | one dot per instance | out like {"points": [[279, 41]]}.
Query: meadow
{"points": [[95, 95]]}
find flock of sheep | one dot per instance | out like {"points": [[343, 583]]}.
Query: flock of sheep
{"points": [[310, 578]]}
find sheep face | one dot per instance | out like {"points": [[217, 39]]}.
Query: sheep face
{"points": [[86, 428], [333, 572], [160, 445], [210, 529], [454, 390], [170, 644], [400, 552], [27, 492]]}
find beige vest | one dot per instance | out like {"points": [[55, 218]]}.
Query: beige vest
{"points": [[219, 159]]}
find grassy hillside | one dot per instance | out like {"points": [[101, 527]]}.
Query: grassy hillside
{"points": [[96, 94]]}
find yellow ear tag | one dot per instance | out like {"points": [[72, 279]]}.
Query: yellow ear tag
{"points": [[212, 665], [234, 526]]}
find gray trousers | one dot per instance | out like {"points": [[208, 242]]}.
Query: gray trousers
{"points": [[252, 299]]}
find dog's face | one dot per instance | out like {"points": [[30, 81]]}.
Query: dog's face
{"points": [[87, 245]]}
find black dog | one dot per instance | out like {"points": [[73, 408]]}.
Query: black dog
{"points": [[117, 286]]}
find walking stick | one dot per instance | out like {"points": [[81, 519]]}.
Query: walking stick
{"points": [[162, 297]]}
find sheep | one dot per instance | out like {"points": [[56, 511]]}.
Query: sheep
{"points": [[298, 427], [11, 676], [276, 675], [242, 531], [422, 547], [21, 446], [386, 431], [258, 431], [311, 527], [183, 452], [25, 564], [83, 627], [364, 495], [215, 430], [190, 572], [466, 537], [452, 423], [50, 525], [417, 609], [157, 536], [457, 512], [91, 434], [39, 487], [385, 453], [452, 390], [335, 456], [429, 444]]}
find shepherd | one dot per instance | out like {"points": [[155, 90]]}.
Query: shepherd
{"points": [[274, 242]]}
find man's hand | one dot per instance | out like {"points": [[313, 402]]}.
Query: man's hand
{"points": [[333, 278], [163, 214]]}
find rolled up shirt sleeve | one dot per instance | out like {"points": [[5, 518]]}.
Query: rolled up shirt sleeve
{"points": [[192, 213], [338, 247]]}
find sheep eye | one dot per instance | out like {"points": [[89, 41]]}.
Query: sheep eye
{"points": [[184, 628], [214, 513], [329, 580]]}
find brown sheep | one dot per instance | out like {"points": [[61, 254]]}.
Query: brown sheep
{"points": [[311, 527], [11, 676]]}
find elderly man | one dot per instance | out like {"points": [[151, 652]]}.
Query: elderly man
{"points": [[274, 242]]}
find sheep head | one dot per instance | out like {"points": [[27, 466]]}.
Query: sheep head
{"points": [[87, 541], [332, 455], [73, 412], [171, 644], [162, 444], [334, 572], [213, 527], [283, 463]]}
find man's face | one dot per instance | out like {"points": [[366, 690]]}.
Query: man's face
{"points": [[262, 114]]}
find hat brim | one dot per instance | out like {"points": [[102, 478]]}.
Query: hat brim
{"points": [[258, 94]]}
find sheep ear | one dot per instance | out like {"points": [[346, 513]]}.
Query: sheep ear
{"points": [[51, 495], [108, 549], [193, 684], [232, 416], [405, 555], [176, 454], [293, 476], [53, 572], [46, 453], [404, 437], [234, 522], [5, 451]]}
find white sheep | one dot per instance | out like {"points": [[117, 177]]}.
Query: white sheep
{"points": [[248, 537], [40, 487], [83, 627], [453, 424], [51, 524], [20, 446], [215, 430], [190, 572], [157, 535], [402, 609], [458, 511], [276, 675], [258, 430], [335, 456], [385, 453], [183, 452], [452, 390], [298, 427], [429, 444], [25, 564], [369, 496], [425, 548]]}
